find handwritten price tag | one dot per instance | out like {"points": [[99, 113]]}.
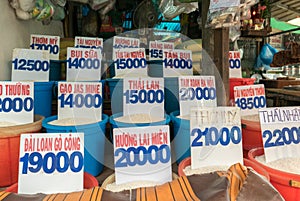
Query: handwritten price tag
{"points": [[280, 132], [88, 42], [177, 63], [142, 154], [143, 95], [156, 49], [16, 102], [250, 98], [48, 159], [47, 43], [83, 64], [196, 91], [130, 61], [215, 132], [235, 69], [30, 65], [80, 100]]}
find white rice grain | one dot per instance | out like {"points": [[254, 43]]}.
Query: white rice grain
{"points": [[138, 118], [113, 187], [290, 165], [72, 122], [203, 170]]}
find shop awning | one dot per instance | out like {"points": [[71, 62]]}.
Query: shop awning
{"points": [[283, 26]]}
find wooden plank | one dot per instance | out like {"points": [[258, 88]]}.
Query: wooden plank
{"points": [[221, 51]]}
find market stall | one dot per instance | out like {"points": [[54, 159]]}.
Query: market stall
{"points": [[135, 100]]}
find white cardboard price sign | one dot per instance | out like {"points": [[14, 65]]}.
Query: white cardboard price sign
{"points": [[250, 98], [88, 42], [80, 101], [235, 68], [216, 137], [177, 63], [143, 95], [130, 61], [142, 154], [30, 65], [280, 132], [83, 64], [16, 102], [51, 163], [156, 49], [125, 42], [196, 91], [45, 42]]}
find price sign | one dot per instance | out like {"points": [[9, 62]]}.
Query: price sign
{"points": [[177, 63], [125, 42], [80, 100], [142, 154], [48, 43], [16, 102], [143, 95], [130, 61], [280, 132], [216, 137], [89, 42], [250, 98], [235, 69], [83, 64], [48, 159], [156, 49], [30, 65], [196, 91]]}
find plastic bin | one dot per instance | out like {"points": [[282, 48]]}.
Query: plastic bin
{"points": [[181, 137], [238, 82], [43, 92], [10, 149], [94, 141], [287, 184]]}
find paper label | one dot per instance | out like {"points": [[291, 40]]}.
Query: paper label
{"points": [[216, 137], [80, 100], [50, 44], [196, 91], [51, 163], [235, 69], [142, 154], [30, 65], [250, 98], [143, 95], [280, 132], [16, 102], [83, 64], [177, 63]]}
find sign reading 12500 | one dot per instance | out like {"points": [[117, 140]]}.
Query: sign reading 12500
{"points": [[30, 65]]}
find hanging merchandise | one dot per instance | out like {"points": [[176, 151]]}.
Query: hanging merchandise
{"points": [[23, 8], [173, 8], [41, 10], [223, 13], [265, 58]]}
